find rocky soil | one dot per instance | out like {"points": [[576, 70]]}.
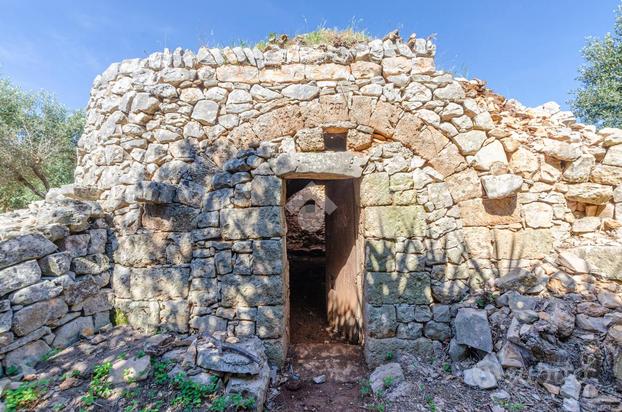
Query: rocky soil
{"points": [[124, 370]]}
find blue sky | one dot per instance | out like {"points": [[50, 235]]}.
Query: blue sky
{"points": [[527, 49]]}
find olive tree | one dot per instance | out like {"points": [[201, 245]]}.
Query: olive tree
{"points": [[37, 144], [599, 99]]}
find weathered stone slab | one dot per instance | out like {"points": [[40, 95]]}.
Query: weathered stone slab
{"points": [[393, 288], [592, 193], [141, 250], [252, 223], [71, 332], [328, 165], [603, 259], [526, 244], [25, 247], [489, 212], [473, 329], [159, 283], [19, 276], [375, 190], [169, 218], [240, 290], [391, 222]]}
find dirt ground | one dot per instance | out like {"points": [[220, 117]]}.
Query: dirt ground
{"points": [[341, 365]]}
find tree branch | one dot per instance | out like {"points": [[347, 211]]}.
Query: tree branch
{"points": [[29, 185]]}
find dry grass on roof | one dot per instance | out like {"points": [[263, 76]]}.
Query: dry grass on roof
{"points": [[320, 37]]}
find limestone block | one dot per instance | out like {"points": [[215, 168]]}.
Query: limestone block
{"points": [[380, 255], [29, 354], [391, 222], [448, 161], [35, 293], [579, 170], [602, 259], [375, 189], [470, 142], [71, 332], [19, 276], [524, 162], [473, 329], [270, 321], [464, 185], [251, 290], [561, 150], [252, 223], [381, 321], [55, 264], [478, 242], [365, 70], [607, 175], [538, 215], [591, 193], [266, 191], [526, 244], [329, 165], [489, 154], [501, 186], [141, 250], [159, 283], [268, 257], [32, 317], [392, 288], [489, 212], [24, 247]]}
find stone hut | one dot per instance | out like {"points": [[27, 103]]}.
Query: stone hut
{"points": [[433, 193]]}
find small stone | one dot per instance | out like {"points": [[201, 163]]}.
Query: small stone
{"points": [[386, 375], [571, 387], [319, 379], [473, 329], [130, 370], [498, 187], [480, 378]]}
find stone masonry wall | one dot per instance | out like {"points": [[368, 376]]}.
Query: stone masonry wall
{"points": [[54, 278], [464, 195]]}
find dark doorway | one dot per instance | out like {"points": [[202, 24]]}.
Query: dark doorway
{"points": [[322, 250]]}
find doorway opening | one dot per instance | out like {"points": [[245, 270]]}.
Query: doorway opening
{"points": [[323, 253]]}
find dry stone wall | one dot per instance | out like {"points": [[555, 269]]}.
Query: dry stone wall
{"points": [[465, 196], [54, 278]]}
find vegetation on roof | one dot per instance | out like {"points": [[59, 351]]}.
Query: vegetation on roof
{"points": [[322, 36]]}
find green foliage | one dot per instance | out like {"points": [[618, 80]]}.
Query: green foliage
{"points": [[599, 99], [51, 353], [160, 371], [99, 387], [511, 406], [38, 137], [388, 381], [25, 396], [191, 394], [365, 387], [321, 36], [430, 403], [119, 318], [12, 370], [447, 367], [235, 401], [388, 356]]}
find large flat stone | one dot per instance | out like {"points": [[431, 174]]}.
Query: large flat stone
{"points": [[19, 276], [252, 223], [391, 222], [239, 290], [159, 283], [526, 244], [25, 247], [329, 165], [603, 259], [392, 288], [473, 329], [489, 212]]}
